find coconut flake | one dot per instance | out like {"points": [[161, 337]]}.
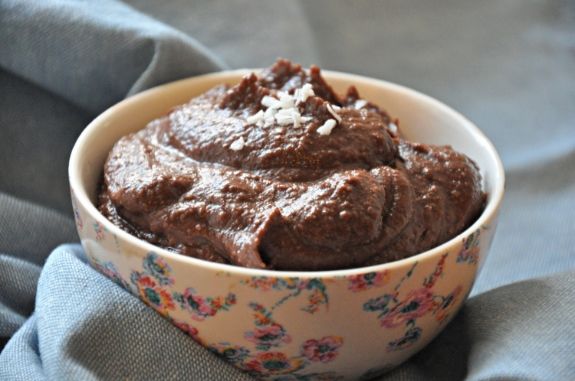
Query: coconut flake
{"points": [[283, 121], [392, 127], [284, 111], [284, 116], [270, 102], [269, 113], [325, 129], [303, 93], [269, 121], [296, 116], [360, 103], [333, 113], [287, 116], [257, 117], [286, 100], [238, 144]]}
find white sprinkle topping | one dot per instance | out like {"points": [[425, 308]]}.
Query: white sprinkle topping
{"points": [[269, 113], [296, 116], [253, 119], [288, 116], [238, 144], [302, 94], [286, 100], [284, 117], [283, 111], [360, 103], [392, 127], [270, 102], [326, 128], [269, 121], [333, 113]]}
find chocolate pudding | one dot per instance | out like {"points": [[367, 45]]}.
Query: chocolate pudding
{"points": [[280, 172]]}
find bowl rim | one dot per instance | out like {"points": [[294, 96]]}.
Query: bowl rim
{"points": [[491, 208]]}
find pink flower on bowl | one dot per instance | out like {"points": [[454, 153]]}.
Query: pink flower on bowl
{"points": [[262, 283], [363, 282], [322, 350], [197, 305], [272, 363], [268, 336], [153, 295], [416, 304]]}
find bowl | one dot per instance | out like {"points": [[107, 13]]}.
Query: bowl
{"points": [[286, 325]]}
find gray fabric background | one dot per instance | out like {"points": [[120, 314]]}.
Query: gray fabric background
{"points": [[507, 65]]}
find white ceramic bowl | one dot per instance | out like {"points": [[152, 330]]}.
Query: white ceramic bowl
{"points": [[346, 324]]}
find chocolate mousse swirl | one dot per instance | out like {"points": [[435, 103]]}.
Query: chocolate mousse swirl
{"points": [[280, 172]]}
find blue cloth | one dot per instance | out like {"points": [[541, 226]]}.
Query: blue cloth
{"points": [[63, 62]]}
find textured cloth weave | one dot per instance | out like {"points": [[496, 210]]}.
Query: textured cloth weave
{"points": [[507, 65]]}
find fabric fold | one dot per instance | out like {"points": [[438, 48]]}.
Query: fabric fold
{"points": [[95, 53], [86, 327], [62, 62]]}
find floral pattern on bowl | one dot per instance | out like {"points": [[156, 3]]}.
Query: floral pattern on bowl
{"points": [[404, 304]]}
